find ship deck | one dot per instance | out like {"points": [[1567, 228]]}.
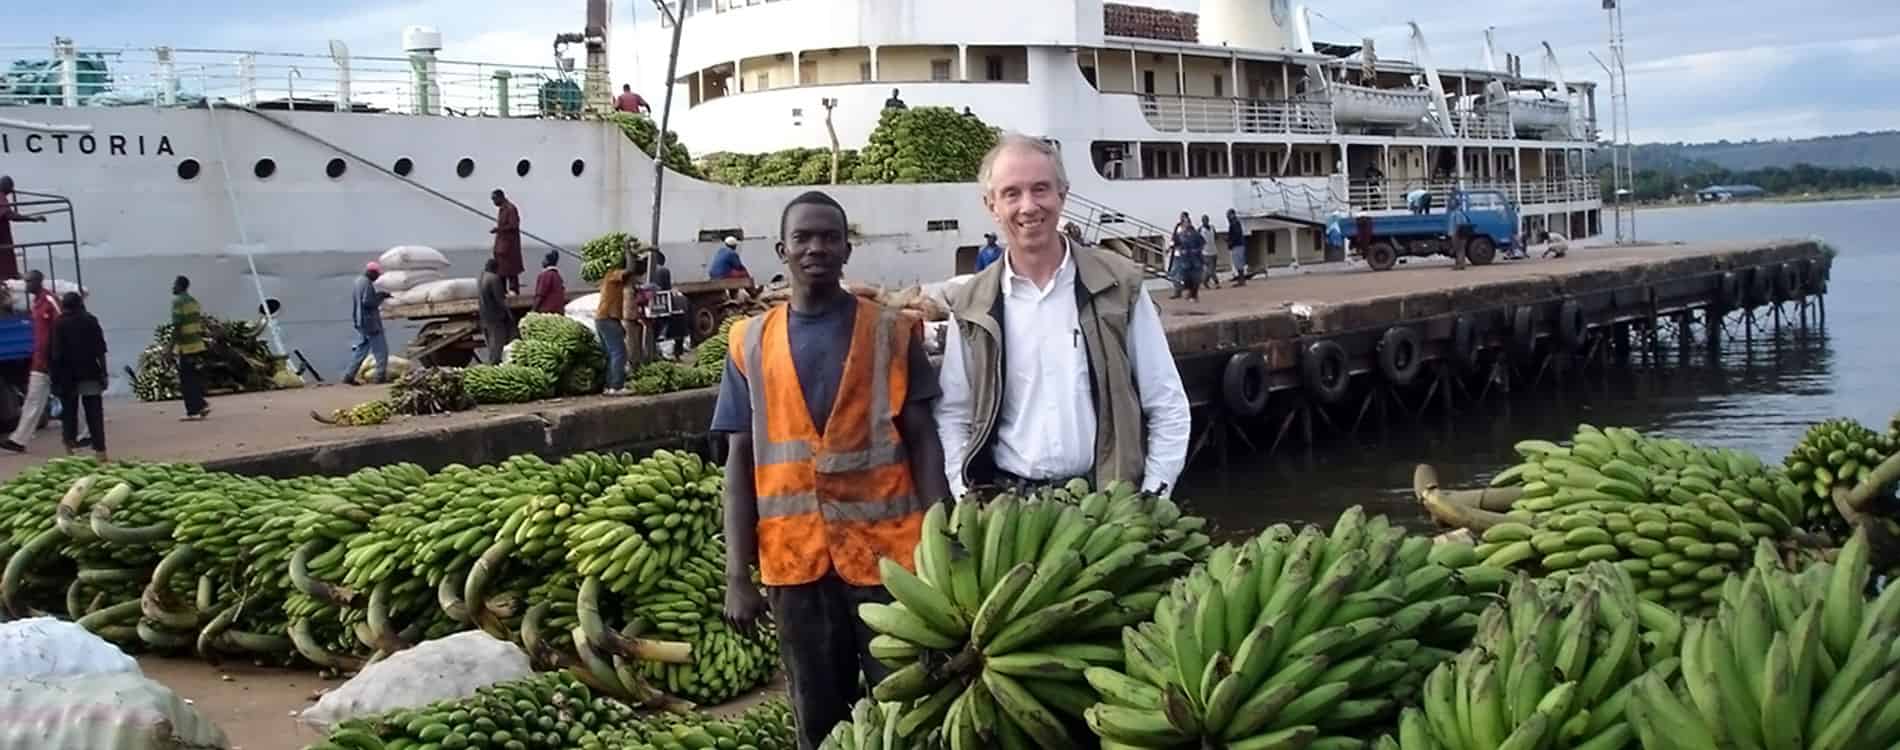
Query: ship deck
{"points": [[273, 433]]}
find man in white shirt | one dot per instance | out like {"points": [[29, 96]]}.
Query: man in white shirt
{"points": [[1055, 365]]}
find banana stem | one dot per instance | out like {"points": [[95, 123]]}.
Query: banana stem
{"points": [[163, 639], [587, 606], [543, 653], [1425, 486], [1858, 500], [596, 670], [321, 590], [213, 630], [382, 635], [17, 568], [448, 595], [307, 645], [113, 615], [76, 599], [66, 516], [475, 588], [157, 602]]}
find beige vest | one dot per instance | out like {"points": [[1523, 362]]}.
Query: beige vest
{"points": [[1107, 287]]}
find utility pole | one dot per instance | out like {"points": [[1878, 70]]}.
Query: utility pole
{"points": [[1622, 172], [833, 132], [678, 19]]}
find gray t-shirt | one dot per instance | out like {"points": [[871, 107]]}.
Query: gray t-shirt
{"points": [[824, 338]]}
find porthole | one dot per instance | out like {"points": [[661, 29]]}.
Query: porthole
{"points": [[264, 168], [578, 167], [465, 167], [188, 169], [522, 167], [336, 168], [404, 166]]}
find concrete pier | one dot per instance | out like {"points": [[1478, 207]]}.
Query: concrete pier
{"points": [[1277, 346]]}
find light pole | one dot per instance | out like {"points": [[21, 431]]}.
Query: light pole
{"points": [[678, 19]]}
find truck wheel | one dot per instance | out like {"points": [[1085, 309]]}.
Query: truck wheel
{"points": [[1481, 251], [705, 323], [1382, 256]]}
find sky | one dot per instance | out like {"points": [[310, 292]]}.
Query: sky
{"points": [[1699, 70]]}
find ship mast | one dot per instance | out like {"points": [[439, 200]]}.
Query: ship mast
{"points": [[678, 19]]}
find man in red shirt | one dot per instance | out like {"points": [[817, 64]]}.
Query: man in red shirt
{"points": [[10, 268], [628, 101], [39, 383], [550, 292]]}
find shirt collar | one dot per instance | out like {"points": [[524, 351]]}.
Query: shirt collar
{"points": [[1065, 273]]}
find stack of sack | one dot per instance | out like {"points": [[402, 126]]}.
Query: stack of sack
{"points": [[13, 293], [412, 275]]}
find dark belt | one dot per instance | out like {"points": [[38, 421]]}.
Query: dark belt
{"points": [[1004, 481]]}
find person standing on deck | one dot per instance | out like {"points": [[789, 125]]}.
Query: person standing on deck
{"points": [[10, 268], [550, 292], [79, 374], [507, 233], [832, 463], [39, 382], [366, 316], [1237, 247], [726, 263], [188, 344], [498, 321], [1187, 257], [613, 333], [1055, 365], [1210, 254], [628, 101]]}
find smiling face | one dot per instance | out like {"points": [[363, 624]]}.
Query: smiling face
{"points": [[1025, 194], [814, 246]]}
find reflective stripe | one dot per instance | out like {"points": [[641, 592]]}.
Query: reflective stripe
{"points": [[781, 506], [882, 450]]}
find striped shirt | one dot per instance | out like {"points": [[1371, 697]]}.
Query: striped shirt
{"points": [[188, 328]]}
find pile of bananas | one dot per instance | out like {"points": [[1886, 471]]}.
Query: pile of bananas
{"points": [[364, 414], [1788, 661], [767, 726], [1677, 516], [550, 711], [1551, 666], [430, 390], [1836, 452], [1290, 639], [710, 355], [605, 253], [506, 384], [665, 376], [236, 359], [1012, 600], [541, 354]]}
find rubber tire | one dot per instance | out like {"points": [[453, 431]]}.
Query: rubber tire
{"points": [[1733, 297], [705, 323], [1382, 256], [1761, 286], [1571, 327], [1465, 347], [1480, 251], [1243, 384], [1323, 369], [1788, 282], [1524, 331], [1400, 355]]}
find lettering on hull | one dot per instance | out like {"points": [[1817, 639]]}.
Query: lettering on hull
{"points": [[86, 144]]}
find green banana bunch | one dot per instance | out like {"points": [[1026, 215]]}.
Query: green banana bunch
{"points": [[365, 414], [506, 383], [1837, 452], [1789, 660], [1012, 601], [550, 711], [767, 726], [1552, 666], [1290, 639], [667, 376]]}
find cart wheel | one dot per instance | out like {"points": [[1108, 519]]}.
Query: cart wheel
{"points": [[705, 323], [1381, 256]]}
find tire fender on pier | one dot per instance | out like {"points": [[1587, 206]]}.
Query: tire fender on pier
{"points": [[1325, 372], [1524, 331], [1731, 289], [1788, 279], [1761, 286], [1571, 326], [1464, 343], [1399, 359], [1243, 384]]}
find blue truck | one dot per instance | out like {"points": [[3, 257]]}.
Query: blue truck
{"points": [[1483, 221], [16, 328]]}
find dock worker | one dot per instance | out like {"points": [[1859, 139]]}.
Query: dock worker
{"points": [[10, 267], [1210, 254], [832, 462], [366, 316], [497, 319], [1092, 390], [726, 263], [44, 309], [188, 345], [628, 101], [550, 292], [507, 233], [1237, 247], [989, 253]]}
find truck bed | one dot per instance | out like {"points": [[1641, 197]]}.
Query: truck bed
{"points": [[1404, 225], [16, 338]]}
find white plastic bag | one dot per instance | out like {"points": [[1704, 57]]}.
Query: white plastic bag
{"points": [[442, 669], [412, 258], [450, 290], [117, 711], [49, 647], [398, 281]]}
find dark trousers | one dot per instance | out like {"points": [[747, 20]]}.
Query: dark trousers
{"points": [[825, 648], [191, 385], [71, 401]]}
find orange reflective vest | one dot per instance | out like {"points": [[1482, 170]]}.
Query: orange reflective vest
{"points": [[844, 499]]}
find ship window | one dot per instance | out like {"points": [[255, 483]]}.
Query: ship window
{"points": [[1220, 86], [264, 168], [577, 167], [188, 169], [465, 167], [404, 166], [1148, 82], [522, 167], [993, 67], [335, 168], [940, 225], [940, 70], [864, 71]]}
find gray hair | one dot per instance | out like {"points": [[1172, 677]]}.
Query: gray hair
{"points": [[1013, 140]]}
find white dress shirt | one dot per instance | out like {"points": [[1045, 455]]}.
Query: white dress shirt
{"points": [[1046, 424]]}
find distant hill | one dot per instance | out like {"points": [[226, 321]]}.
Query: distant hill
{"points": [[1879, 150]]}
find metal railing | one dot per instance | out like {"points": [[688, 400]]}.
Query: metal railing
{"points": [[66, 75], [1477, 124], [1273, 197], [1390, 194], [45, 207], [1139, 241], [1208, 114]]}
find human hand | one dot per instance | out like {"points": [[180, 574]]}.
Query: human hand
{"points": [[744, 604]]}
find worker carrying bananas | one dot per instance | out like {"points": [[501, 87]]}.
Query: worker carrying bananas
{"points": [[1091, 389], [832, 460]]}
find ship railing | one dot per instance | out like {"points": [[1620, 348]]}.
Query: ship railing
{"points": [[1144, 243], [1484, 125], [66, 75], [1272, 196], [1390, 194], [1212, 114]]}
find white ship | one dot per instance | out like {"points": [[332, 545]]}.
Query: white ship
{"points": [[261, 174]]}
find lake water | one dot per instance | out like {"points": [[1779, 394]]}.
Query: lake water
{"points": [[1759, 398]]}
